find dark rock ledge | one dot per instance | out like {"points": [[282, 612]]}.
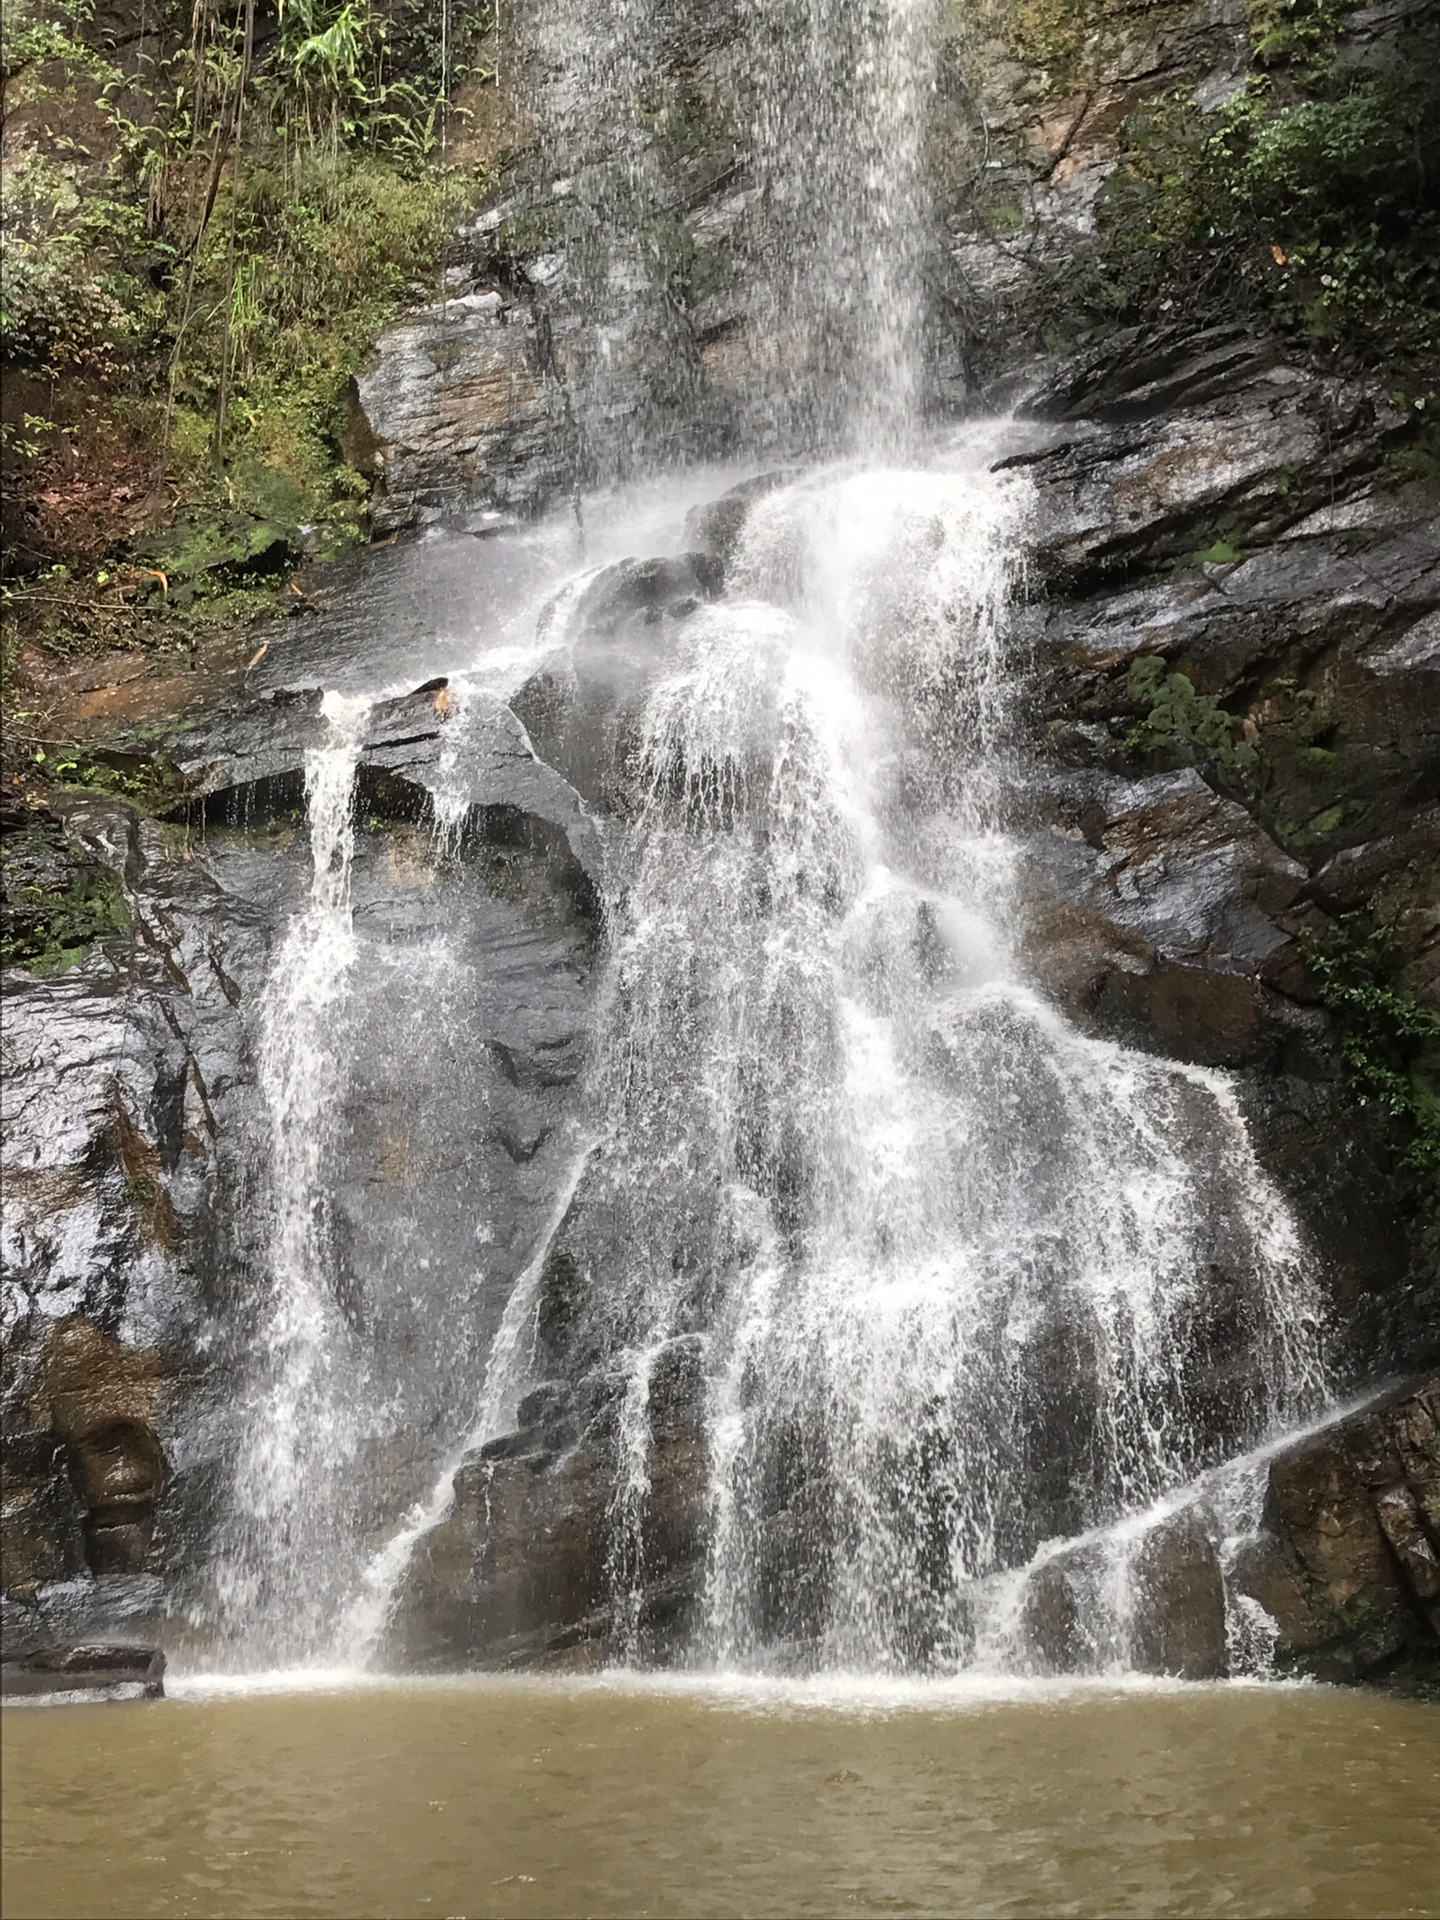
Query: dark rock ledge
{"points": [[1349, 1564], [106, 1671], [1346, 1564]]}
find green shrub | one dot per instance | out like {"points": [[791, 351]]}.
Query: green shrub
{"points": [[1312, 194], [1389, 1039], [239, 241]]}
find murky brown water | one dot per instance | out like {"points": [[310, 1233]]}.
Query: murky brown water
{"points": [[517, 1798]]}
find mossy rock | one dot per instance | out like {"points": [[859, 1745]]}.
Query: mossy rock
{"points": [[55, 900], [258, 535], [230, 544]]}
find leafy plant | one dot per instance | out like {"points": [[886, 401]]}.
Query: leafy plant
{"points": [[1311, 193], [1389, 1039], [1180, 718], [246, 213]]}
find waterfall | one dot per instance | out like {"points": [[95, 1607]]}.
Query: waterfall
{"points": [[959, 1298], [282, 1542], [953, 1266], [828, 117], [837, 133]]}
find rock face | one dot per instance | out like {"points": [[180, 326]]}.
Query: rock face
{"points": [[1241, 769], [108, 1670], [574, 337], [1228, 757], [1349, 1567], [1225, 766], [1234, 753], [136, 1143], [459, 411], [519, 1571]]}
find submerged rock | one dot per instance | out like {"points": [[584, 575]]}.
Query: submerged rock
{"points": [[104, 1670]]}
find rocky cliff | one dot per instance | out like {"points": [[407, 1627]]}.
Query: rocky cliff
{"points": [[1232, 840]]}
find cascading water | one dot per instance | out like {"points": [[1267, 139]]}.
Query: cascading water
{"points": [[837, 132], [952, 1279], [955, 1268], [827, 113], [298, 1420]]}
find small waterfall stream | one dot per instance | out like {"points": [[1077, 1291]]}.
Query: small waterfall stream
{"points": [[298, 1417], [965, 1298]]}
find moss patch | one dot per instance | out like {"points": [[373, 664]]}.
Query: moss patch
{"points": [[55, 900]]}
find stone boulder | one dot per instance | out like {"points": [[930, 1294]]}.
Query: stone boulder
{"points": [[1180, 1618], [1348, 1567], [518, 1572], [105, 1671]]}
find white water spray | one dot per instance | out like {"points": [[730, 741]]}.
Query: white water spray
{"points": [[950, 1258], [296, 1433]]}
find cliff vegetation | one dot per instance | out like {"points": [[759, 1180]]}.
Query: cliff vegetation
{"points": [[209, 213]]}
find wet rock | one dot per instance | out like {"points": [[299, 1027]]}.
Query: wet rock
{"points": [[677, 1513], [461, 407], [1124, 499], [715, 528], [1056, 1610], [518, 1573], [136, 1136], [104, 1670], [1285, 700], [1348, 1567], [130, 1096], [1180, 1614], [1334, 1161], [247, 764], [41, 1520], [97, 1402], [514, 1575], [55, 896], [1230, 636], [1138, 373], [544, 1427], [644, 592], [583, 714], [1164, 917]]}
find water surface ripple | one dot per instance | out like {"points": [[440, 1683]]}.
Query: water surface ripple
{"points": [[534, 1798]]}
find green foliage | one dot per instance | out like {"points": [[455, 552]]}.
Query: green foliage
{"points": [[1284, 760], [1180, 719], [1294, 30], [57, 900], [323, 250], [143, 780], [1311, 194], [1220, 553], [1389, 1039], [237, 243], [65, 300], [1053, 33], [330, 67]]}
